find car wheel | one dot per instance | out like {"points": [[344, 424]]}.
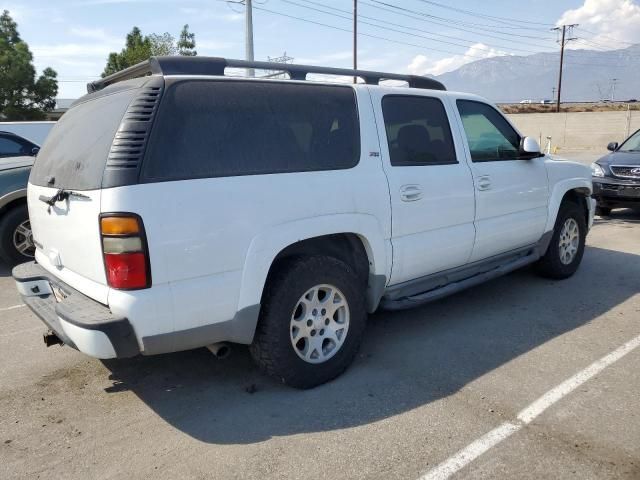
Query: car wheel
{"points": [[311, 322], [567, 243], [16, 239], [603, 211]]}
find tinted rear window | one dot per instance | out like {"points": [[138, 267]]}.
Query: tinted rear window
{"points": [[211, 128], [76, 150], [418, 131]]}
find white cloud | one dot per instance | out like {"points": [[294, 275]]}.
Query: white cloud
{"points": [[421, 65], [92, 33], [615, 22]]}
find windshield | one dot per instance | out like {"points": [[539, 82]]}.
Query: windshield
{"points": [[632, 144]]}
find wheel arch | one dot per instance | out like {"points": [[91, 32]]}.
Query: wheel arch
{"points": [[577, 190], [12, 200], [356, 239]]}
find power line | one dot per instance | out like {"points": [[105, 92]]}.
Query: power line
{"points": [[408, 28], [363, 34], [607, 36], [447, 22], [482, 15], [424, 20]]}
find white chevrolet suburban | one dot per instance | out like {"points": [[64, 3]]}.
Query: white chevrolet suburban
{"points": [[174, 207]]}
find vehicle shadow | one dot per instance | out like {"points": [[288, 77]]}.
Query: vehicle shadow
{"points": [[5, 271], [407, 359], [624, 218]]}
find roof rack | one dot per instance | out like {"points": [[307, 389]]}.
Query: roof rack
{"points": [[177, 65]]}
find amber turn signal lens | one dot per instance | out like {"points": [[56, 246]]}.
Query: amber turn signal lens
{"points": [[119, 226]]}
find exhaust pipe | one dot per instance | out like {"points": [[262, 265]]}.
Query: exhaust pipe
{"points": [[50, 339], [220, 350]]}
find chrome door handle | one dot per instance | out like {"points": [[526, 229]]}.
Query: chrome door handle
{"points": [[484, 183], [410, 193]]}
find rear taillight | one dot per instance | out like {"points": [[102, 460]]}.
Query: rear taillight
{"points": [[124, 245]]}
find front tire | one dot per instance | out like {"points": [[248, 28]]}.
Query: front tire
{"points": [[565, 251], [603, 211], [16, 240], [311, 322]]}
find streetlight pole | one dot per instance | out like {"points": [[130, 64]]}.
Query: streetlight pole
{"points": [[355, 38], [248, 34]]}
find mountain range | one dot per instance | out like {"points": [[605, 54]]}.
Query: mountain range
{"points": [[588, 75]]}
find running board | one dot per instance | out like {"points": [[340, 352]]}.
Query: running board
{"points": [[455, 287]]}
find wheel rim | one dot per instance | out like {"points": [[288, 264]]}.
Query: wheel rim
{"points": [[569, 241], [23, 239], [319, 323]]}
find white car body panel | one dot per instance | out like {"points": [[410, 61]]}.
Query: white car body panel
{"points": [[512, 211], [511, 198], [266, 246], [10, 163], [564, 176], [212, 241], [35, 132], [423, 226], [67, 238], [205, 262]]}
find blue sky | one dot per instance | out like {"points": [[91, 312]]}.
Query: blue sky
{"points": [[418, 36]]}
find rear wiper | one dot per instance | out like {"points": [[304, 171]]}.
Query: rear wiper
{"points": [[60, 196]]}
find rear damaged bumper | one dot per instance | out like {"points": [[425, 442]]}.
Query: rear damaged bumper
{"points": [[79, 321]]}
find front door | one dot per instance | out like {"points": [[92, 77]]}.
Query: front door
{"points": [[511, 193], [432, 199]]}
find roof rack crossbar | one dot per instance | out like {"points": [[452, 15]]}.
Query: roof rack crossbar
{"points": [[177, 65]]}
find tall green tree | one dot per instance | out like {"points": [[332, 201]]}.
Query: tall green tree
{"points": [[22, 95], [187, 42], [163, 45], [139, 48]]}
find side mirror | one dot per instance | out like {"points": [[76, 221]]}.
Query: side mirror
{"points": [[529, 148], [34, 151], [613, 146]]}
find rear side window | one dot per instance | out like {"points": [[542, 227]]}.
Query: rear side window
{"points": [[418, 131], [489, 135], [76, 150], [214, 128], [10, 147]]}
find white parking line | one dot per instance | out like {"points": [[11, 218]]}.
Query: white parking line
{"points": [[472, 451], [12, 308]]}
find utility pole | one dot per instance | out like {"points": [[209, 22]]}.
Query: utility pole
{"points": [[355, 38], [248, 36], [564, 40], [553, 93]]}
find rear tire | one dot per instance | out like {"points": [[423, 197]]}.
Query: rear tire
{"points": [[603, 211], [16, 241], [296, 346], [565, 251]]}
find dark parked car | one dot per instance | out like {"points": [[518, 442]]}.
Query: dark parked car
{"points": [[616, 176], [16, 159]]}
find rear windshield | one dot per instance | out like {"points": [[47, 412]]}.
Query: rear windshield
{"points": [[208, 128], [76, 150]]}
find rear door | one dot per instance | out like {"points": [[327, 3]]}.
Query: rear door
{"points": [[72, 159], [511, 193], [432, 196]]}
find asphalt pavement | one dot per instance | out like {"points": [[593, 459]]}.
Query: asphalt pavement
{"points": [[424, 398]]}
